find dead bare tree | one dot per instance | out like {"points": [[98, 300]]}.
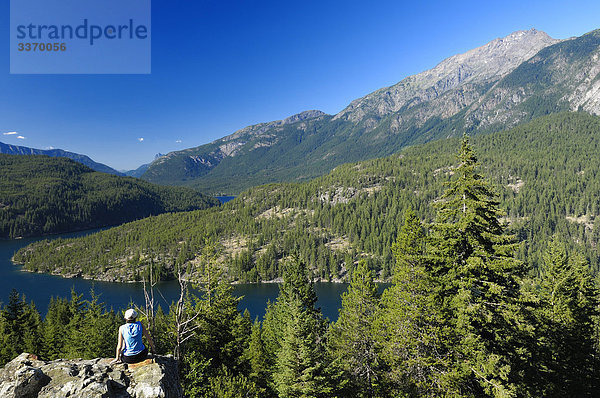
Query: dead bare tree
{"points": [[185, 324], [186, 316], [149, 300]]}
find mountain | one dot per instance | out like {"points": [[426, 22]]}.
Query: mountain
{"points": [[506, 82], [256, 145], [142, 169], [546, 173], [43, 195], [83, 159]]}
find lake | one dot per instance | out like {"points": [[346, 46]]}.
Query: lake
{"points": [[40, 287]]}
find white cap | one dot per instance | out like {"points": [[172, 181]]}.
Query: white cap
{"points": [[130, 314]]}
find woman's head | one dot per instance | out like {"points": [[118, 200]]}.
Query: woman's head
{"points": [[130, 315]]}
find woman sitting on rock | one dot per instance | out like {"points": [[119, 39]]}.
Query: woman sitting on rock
{"points": [[130, 347]]}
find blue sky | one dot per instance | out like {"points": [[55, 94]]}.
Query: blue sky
{"points": [[218, 66]]}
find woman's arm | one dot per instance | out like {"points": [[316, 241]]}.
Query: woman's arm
{"points": [[149, 338], [119, 346]]}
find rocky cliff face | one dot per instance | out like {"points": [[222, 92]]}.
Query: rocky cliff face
{"points": [[503, 83], [477, 67], [28, 377]]}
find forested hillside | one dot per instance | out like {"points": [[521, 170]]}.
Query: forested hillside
{"points": [[58, 153], [43, 195], [461, 318], [545, 172]]}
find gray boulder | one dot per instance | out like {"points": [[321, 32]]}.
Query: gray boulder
{"points": [[28, 377]]}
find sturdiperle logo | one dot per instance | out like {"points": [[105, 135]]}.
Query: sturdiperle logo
{"points": [[86, 36]]}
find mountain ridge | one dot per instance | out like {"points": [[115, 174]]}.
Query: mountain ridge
{"points": [[501, 84], [42, 195], [10, 149], [471, 66]]}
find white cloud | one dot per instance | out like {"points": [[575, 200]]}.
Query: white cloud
{"points": [[141, 139], [10, 133], [178, 141], [20, 137], [49, 147]]}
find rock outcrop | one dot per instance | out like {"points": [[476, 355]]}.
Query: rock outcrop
{"points": [[28, 377]]}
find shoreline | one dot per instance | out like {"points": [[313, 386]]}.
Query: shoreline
{"points": [[277, 280]]}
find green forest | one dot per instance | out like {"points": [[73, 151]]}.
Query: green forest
{"points": [[545, 174], [463, 316], [40, 195]]}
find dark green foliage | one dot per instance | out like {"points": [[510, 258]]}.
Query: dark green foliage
{"points": [[56, 327], [545, 173], [409, 326], [19, 328], [257, 358], [568, 303], [71, 329], [294, 330], [351, 340], [478, 282], [218, 345], [461, 318], [41, 195], [92, 331]]}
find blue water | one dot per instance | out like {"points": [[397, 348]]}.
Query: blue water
{"points": [[225, 199], [40, 287]]}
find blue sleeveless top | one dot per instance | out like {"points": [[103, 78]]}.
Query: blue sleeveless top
{"points": [[132, 335]]}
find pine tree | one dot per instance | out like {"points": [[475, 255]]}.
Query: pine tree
{"points": [[54, 329], [20, 326], [75, 340], [568, 305], [256, 357], [351, 339], [31, 324], [478, 280], [214, 352], [299, 368], [409, 324]]}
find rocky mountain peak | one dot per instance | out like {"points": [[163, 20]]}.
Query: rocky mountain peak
{"points": [[491, 61], [260, 128], [306, 115]]}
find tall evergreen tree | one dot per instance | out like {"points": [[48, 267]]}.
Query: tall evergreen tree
{"points": [[257, 358], [298, 368], [351, 340], [409, 325], [215, 350], [54, 329], [478, 278], [20, 327], [568, 303]]}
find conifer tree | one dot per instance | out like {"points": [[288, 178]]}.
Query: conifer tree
{"points": [[568, 304], [31, 324], [351, 340], [214, 352], [20, 326], [299, 368], [409, 324], [478, 283], [54, 329], [256, 357]]}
